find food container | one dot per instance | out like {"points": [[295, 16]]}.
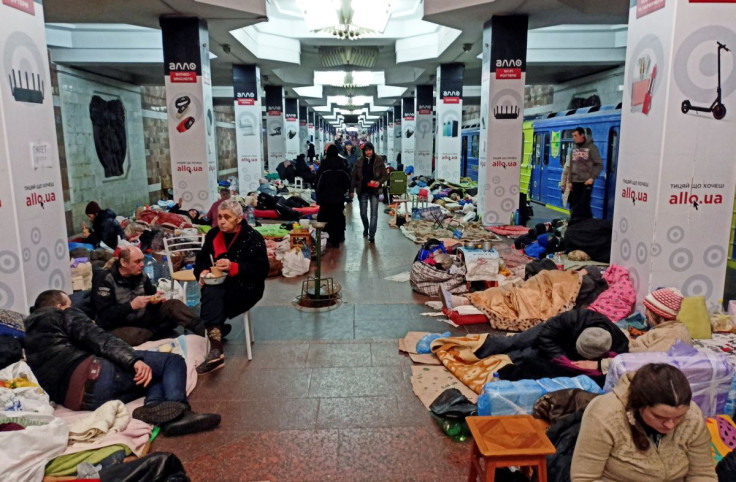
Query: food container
{"points": [[304, 223], [486, 245], [214, 280]]}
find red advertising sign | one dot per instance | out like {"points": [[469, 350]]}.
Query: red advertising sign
{"points": [[451, 100], [645, 7], [22, 5], [246, 101], [507, 74], [183, 77]]}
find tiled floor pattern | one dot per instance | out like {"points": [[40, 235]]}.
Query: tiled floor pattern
{"points": [[327, 395]]}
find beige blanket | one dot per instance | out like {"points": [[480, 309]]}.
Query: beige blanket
{"points": [[111, 417], [521, 306], [456, 353]]}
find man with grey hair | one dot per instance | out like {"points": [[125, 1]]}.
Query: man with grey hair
{"points": [[265, 187], [126, 304]]}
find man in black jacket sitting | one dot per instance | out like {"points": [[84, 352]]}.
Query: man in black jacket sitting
{"points": [[81, 366], [126, 304], [105, 229]]}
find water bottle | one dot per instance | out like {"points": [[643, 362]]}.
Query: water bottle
{"points": [[148, 264], [192, 293], [251, 217], [558, 261]]}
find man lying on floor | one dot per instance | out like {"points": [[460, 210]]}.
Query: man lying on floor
{"points": [[81, 366]]}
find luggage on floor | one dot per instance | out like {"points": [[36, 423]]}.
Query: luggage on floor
{"points": [[513, 398], [710, 374]]}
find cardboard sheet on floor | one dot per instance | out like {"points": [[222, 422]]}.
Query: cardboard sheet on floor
{"points": [[425, 359], [409, 342], [428, 382]]}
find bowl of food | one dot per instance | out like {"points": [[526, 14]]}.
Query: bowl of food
{"points": [[156, 298], [214, 277]]}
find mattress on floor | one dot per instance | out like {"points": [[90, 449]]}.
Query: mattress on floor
{"points": [[273, 214]]}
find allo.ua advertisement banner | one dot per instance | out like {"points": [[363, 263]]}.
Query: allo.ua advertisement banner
{"points": [[389, 145], [303, 130], [397, 133], [449, 120], [676, 171], [33, 245], [502, 116], [319, 132], [248, 138], [190, 116], [408, 130], [378, 135], [423, 131], [275, 125], [291, 128]]}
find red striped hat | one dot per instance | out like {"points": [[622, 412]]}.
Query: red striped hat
{"points": [[664, 302]]}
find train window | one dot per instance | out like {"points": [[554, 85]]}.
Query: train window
{"points": [[546, 149], [537, 152], [474, 146]]}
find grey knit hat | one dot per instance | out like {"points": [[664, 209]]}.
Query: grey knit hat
{"points": [[593, 343]]}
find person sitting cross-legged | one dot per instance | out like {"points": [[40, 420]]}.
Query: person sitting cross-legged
{"points": [[81, 366]]}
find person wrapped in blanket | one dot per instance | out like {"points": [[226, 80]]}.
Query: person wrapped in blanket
{"points": [[239, 255], [647, 428], [81, 366]]}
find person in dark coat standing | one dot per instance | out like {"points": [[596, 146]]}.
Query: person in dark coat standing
{"points": [[105, 228], [333, 183], [368, 174], [310, 152], [239, 252]]}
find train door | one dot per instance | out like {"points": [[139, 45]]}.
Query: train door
{"points": [[535, 178], [464, 156], [611, 166]]}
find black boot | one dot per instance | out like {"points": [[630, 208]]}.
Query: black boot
{"points": [[216, 357], [159, 413], [190, 422]]}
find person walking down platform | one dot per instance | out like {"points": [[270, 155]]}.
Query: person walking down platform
{"points": [[333, 183], [581, 170], [239, 253], [369, 173]]}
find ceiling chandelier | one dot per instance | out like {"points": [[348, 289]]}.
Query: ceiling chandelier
{"points": [[346, 19]]}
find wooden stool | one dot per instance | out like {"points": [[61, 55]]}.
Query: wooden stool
{"points": [[506, 441]]}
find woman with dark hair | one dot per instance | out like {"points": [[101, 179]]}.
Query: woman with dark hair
{"points": [[647, 428], [369, 173], [333, 183]]}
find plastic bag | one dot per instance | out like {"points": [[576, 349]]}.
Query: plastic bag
{"points": [[20, 391], [295, 263], [423, 345], [178, 293], [453, 404]]}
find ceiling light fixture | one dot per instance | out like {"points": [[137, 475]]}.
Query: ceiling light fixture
{"points": [[346, 19]]}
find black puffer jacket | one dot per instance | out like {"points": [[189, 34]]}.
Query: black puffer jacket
{"points": [[559, 334], [57, 341], [333, 182], [105, 229], [247, 278]]}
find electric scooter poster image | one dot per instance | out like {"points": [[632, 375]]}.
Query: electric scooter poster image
{"points": [[705, 70]]}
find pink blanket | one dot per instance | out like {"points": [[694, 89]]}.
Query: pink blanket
{"points": [[618, 300]]}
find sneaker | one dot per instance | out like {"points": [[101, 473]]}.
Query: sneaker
{"points": [[191, 422], [159, 413], [446, 298]]}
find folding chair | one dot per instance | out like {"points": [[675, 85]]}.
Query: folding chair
{"points": [[182, 245]]}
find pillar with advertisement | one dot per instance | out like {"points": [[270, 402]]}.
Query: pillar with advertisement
{"points": [[310, 129], [675, 178], [248, 139], [390, 146], [501, 111], [191, 117], [291, 128], [408, 131], [275, 126], [396, 134], [423, 131], [378, 134], [449, 120], [319, 133], [34, 256], [303, 131]]}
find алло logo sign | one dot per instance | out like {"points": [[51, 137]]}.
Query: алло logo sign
{"points": [[183, 72], [508, 69]]}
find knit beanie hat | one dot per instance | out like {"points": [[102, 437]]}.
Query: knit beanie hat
{"points": [[664, 302], [92, 208], [593, 343], [368, 146]]}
